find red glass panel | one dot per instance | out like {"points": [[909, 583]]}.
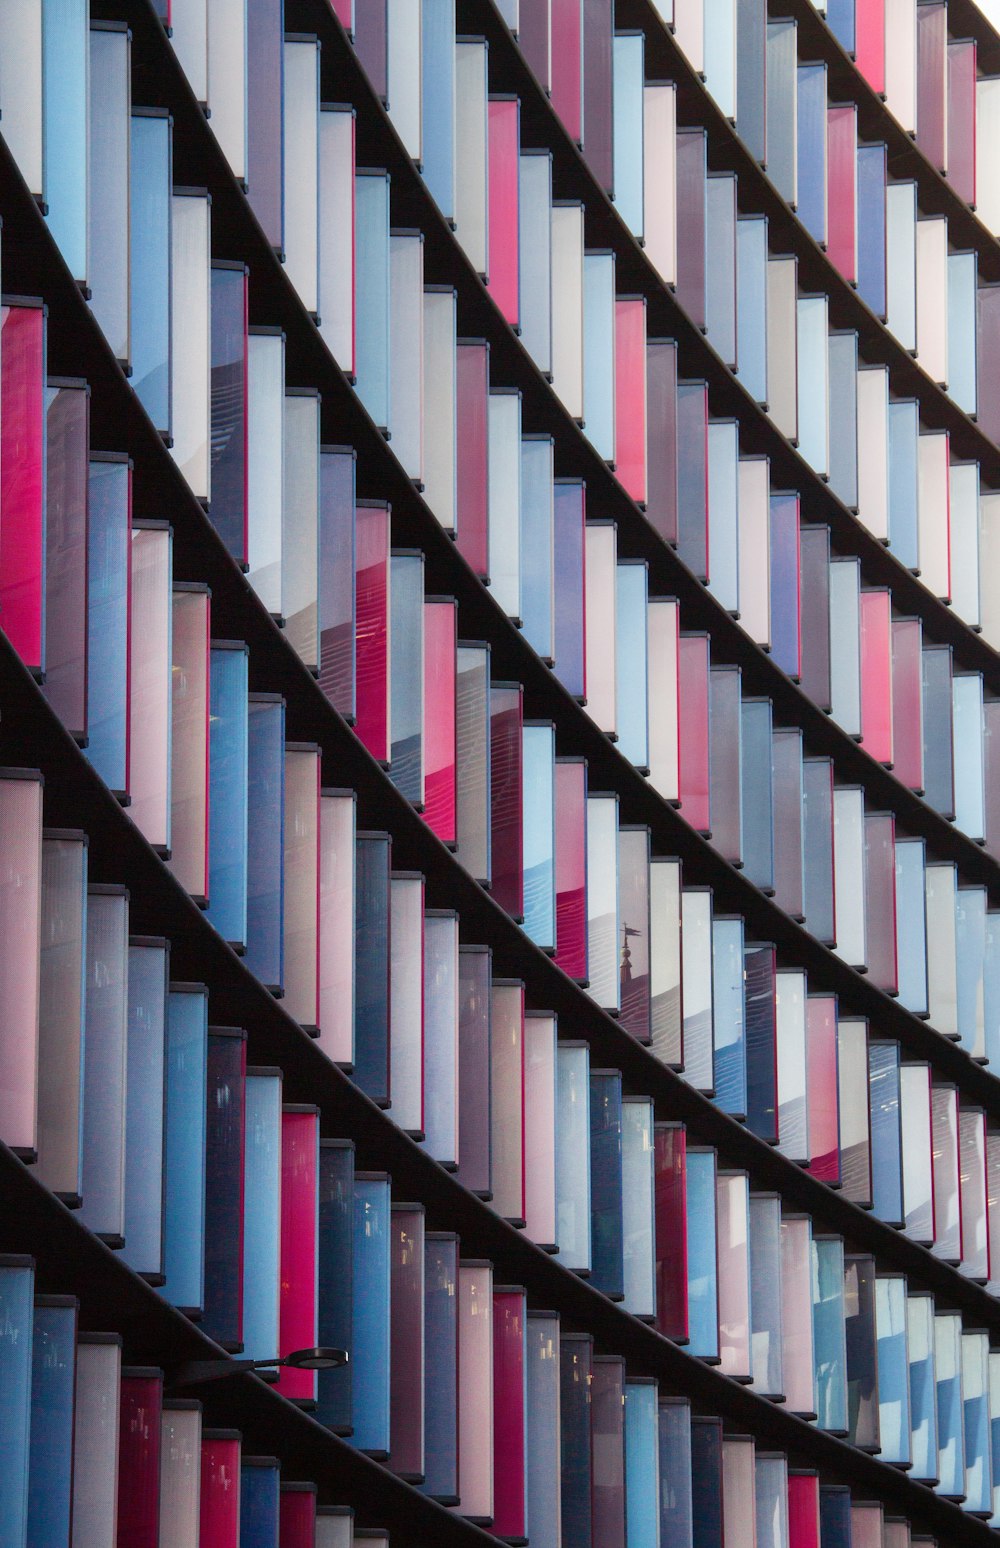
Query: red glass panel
{"points": [[876, 674], [661, 437], [297, 1516], [22, 480], [299, 1211], [962, 118], [509, 1415], [567, 65], [823, 1102], [869, 41], [139, 1459], [932, 83], [504, 157], [842, 188], [372, 592], [693, 663], [670, 1203], [803, 1510], [473, 368], [907, 702], [571, 866], [880, 911], [630, 396], [439, 717], [506, 837], [220, 1490]]}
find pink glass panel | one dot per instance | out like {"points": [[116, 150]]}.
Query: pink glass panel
{"points": [[607, 1482], [504, 157], [150, 686], [439, 717], [220, 1490], [670, 1204], [191, 625], [693, 717], [302, 882], [344, 12], [630, 396], [509, 1415], [866, 1524], [296, 1516], [406, 1353], [506, 713], [876, 675], [139, 1459], [880, 910], [567, 65], [841, 188], [907, 702], [869, 41], [962, 118], [472, 462], [507, 1088], [299, 1208], [571, 866], [20, 933], [22, 480], [372, 585], [475, 1391], [932, 83], [803, 1510], [732, 1224], [796, 1314], [823, 1098]]}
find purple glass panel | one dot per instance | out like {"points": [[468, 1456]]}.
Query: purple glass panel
{"points": [[504, 228], [474, 1004], [336, 577], [670, 1235], [726, 781], [817, 847], [607, 1419], [265, 69], [222, 1318], [440, 745], [506, 717], [987, 354], [786, 785], [786, 603], [534, 34], [932, 83], [567, 65], [692, 162], [472, 473], [661, 437], [22, 481], [814, 544], [962, 118], [693, 664], [598, 45], [907, 702], [823, 1095], [510, 1419], [630, 396], [842, 188], [372, 604], [571, 866], [229, 407], [406, 1353], [371, 40], [692, 476], [634, 914], [67, 438], [569, 516], [880, 900], [876, 674], [299, 1230], [139, 1458]]}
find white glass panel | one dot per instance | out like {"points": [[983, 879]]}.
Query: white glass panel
{"points": [[664, 752], [300, 525], [660, 178], [336, 233], [781, 345], [723, 513], [336, 941], [601, 623], [440, 404], [602, 900], [265, 464], [813, 369], [227, 79], [504, 462], [845, 661], [932, 297], [849, 872], [404, 24], [963, 494], [301, 169], [873, 449], [150, 683], [918, 1161], [406, 324], [540, 1127], [471, 184], [21, 87], [406, 1000], [901, 62], [190, 339], [567, 306], [942, 962], [535, 255], [755, 548], [901, 261], [696, 979]]}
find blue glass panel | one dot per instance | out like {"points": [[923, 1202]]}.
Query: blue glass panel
{"points": [[970, 954], [751, 304], [840, 20], [723, 513], [573, 1157], [632, 663], [151, 177], [887, 1174], [50, 1467], [228, 508], [843, 358], [225, 1117], [145, 1106], [676, 1507], [871, 223], [65, 46], [227, 792], [923, 1399], [535, 255], [991, 992], [599, 351], [641, 1464], [948, 1374], [817, 847], [370, 1347], [703, 1293], [813, 380], [441, 1367], [771, 1500], [893, 1370], [629, 74], [834, 1516], [406, 633], [266, 839], [911, 925], [904, 428], [811, 127], [336, 1279], [108, 561], [939, 771], [262, 1215], [17, 1283], [751, 71], [963, 280], [782, 53], [829, 1334], [371, 966], [706, 1481], [608, 1269], [720, 274], [538, 815], [537, 545], [337, 597], [108, 133], [785, 583], [438, 102], [371, 258], [260, 1503], [970, 773], [758, 800], [576, 1358], [569, 550], [265, 118], [765, 1306], [762, 1088], [729, 1015], [543, 1427], [976, 1423], [184, 1165]]}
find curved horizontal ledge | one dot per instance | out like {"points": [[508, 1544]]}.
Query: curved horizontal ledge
{"points": [[71, 1260]]}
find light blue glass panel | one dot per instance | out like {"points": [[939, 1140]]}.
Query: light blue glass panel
{"points": [[676, 1515], [573, 1154], [901, 261], [840, 20], [632, 662], [893, 1369], [923, 1399], [720, 273], [723, 513], [370, 1355], [65, 72], [599, 352], [970, 961], [637, 1203], [50, 1468], [904, 428], [538, 545], [843, 429], [887, 1175], [771, 1501], [751, 304], [811, 128], [729, 1016], [991, 988], [406, 635], [144, 1110], [976, 1415], [108, 558], [970, 773], [151, 178], [948, 1376], [438, 102], [911, 925], [371, 258], [104, 1094], [765, 1296], [965, 519], [962, 284], [871, 226], [782, 107], [758, 798], [227, 843], [184, 1159], [703, 1287], [813, 381], [108, 207], [845, 628], [543, 1428], [538, 813], [266, 839], [642, 1472], [830, 1333], [441, 971], [534, 237], [629, 75], [261, 1213], [17, 1284], [720, 53]]}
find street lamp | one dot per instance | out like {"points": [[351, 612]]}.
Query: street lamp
{"points": [[194, 1373]]}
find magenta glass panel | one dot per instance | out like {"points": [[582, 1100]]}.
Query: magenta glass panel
{"points": [[962, 118], [869, 41], [567, 65], [220, 1489], [692, 163], [670, 1235], [472, 458], [509, 1414], [842, 188], [344, 12], [988, 352], [803, 1510], [598, 127], [876, 674], [504, 222], [661, 437], [607, 1479], [372, 592], [67, 447], [880, 900], [822, 1098], [406, 1351], [907, 702], [506, 837], [22, 481], [630, 396], [139, 1458], [299, 1213], [932, 83], [571, 866], [440, 745], [296, 1516], [693, 667]]}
